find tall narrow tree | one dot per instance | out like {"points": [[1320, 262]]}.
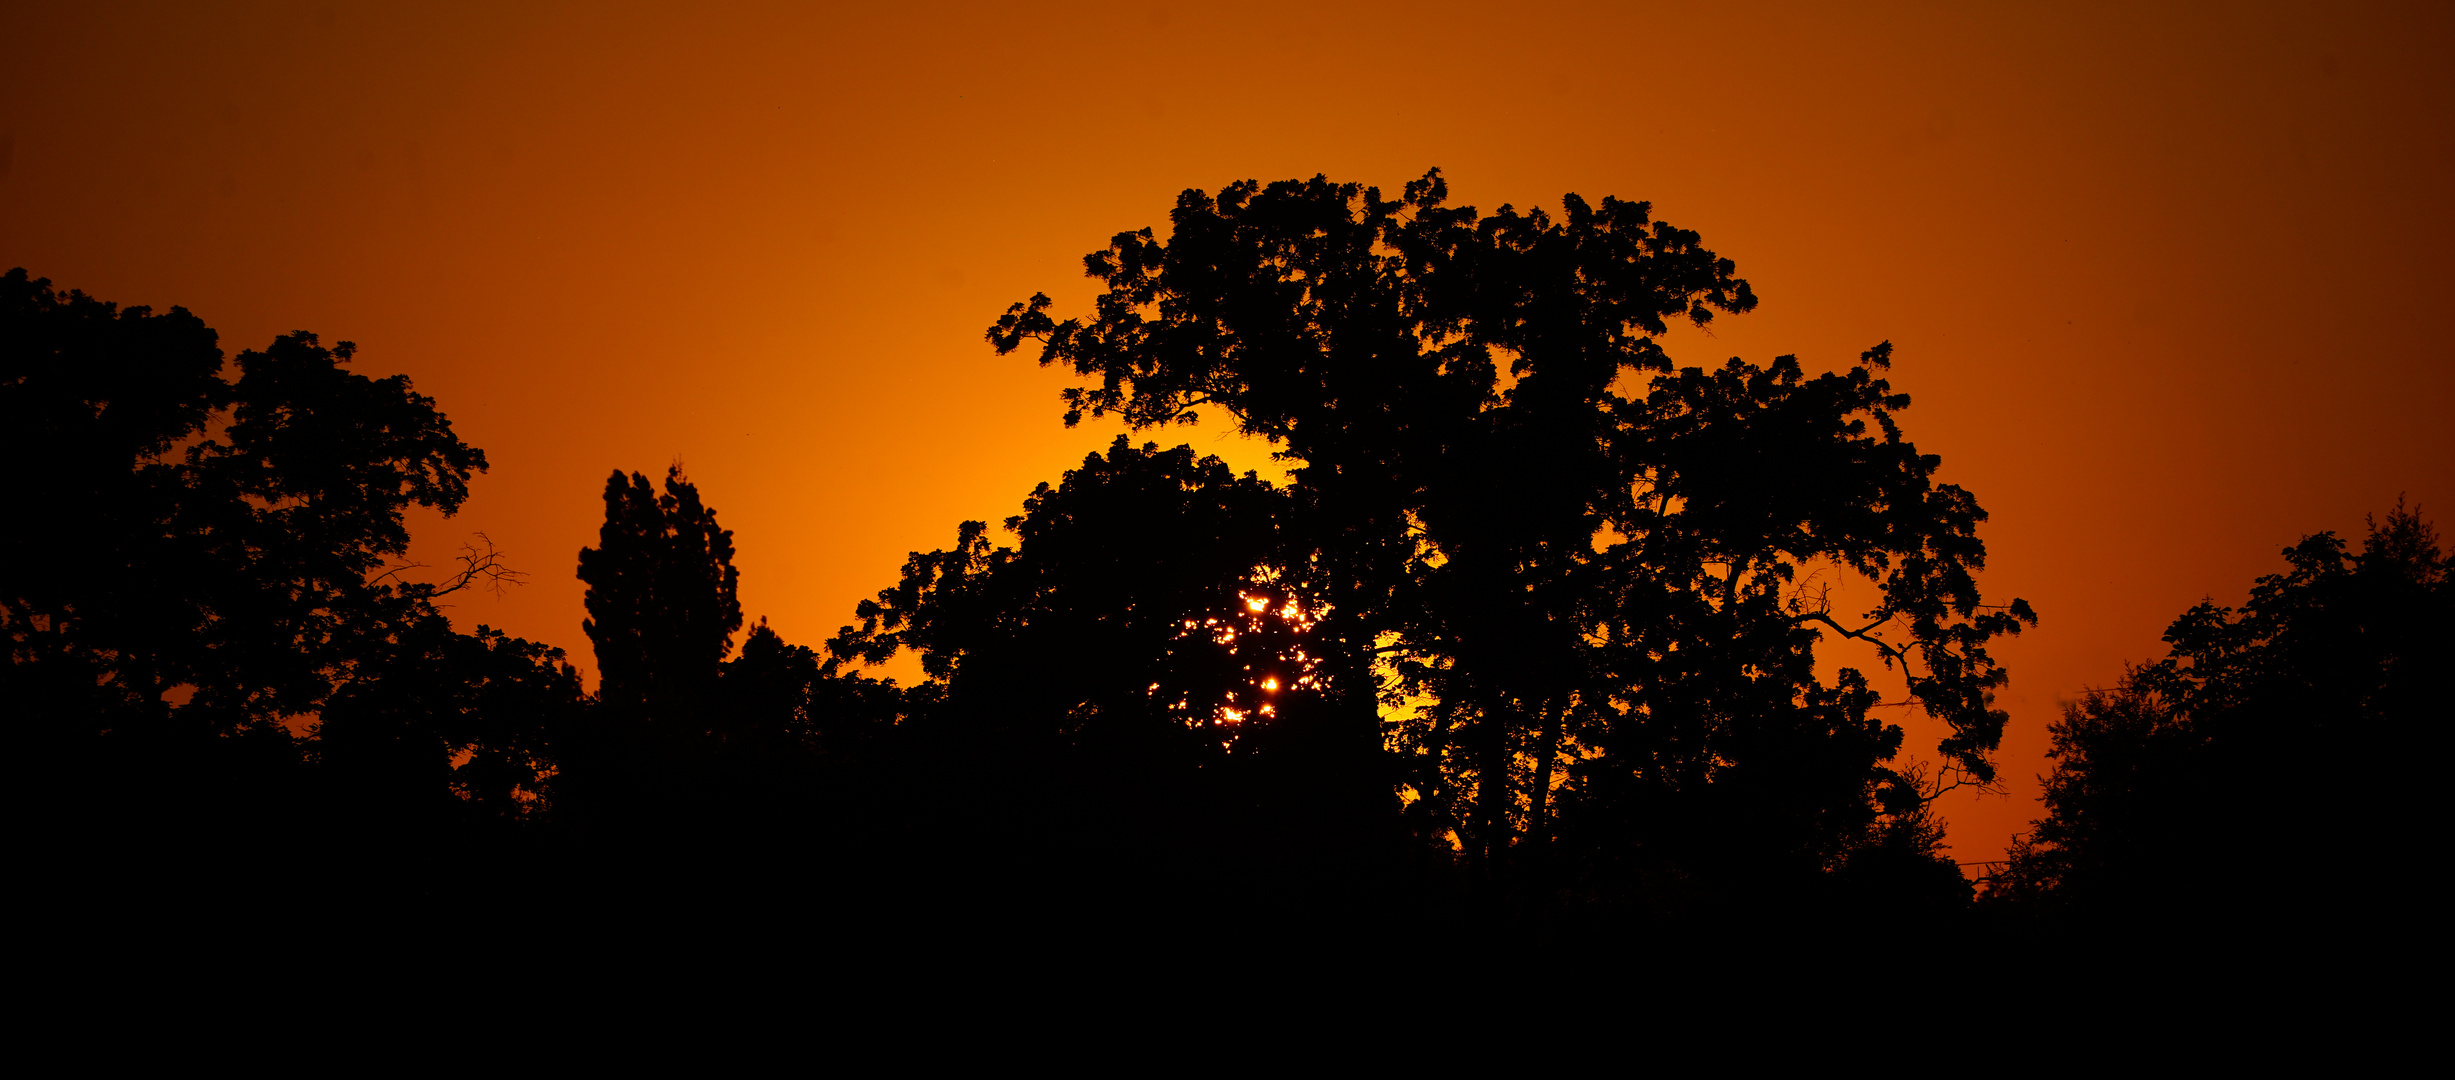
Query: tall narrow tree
{"points": [[662, 603]]}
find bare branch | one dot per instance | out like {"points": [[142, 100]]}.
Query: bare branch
{"points": [[484, 568], [1949, 778], [1869, 635]]}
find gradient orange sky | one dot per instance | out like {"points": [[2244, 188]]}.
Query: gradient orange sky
{"points": [[2168, 283]]}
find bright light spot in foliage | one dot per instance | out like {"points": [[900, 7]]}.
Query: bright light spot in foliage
{"points": [[1260, 643]]}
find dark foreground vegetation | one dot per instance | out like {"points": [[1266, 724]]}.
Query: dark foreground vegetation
{"points": [[1525, 647]]}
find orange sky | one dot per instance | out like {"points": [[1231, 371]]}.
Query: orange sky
{"points": [[2165, 286]]}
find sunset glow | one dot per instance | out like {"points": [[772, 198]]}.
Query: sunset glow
{"points": [[2164, 283]]}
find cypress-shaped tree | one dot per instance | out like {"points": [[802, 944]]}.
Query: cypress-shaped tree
{"points": [[662, 603]]}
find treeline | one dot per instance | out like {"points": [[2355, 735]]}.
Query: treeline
{"points": [[1528, 637]]}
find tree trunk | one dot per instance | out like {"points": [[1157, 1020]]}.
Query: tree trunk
{"points": [[1493, 793], [1538, 800]]}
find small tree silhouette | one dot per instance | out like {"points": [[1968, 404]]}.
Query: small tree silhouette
{"points": [[2200, 782]]}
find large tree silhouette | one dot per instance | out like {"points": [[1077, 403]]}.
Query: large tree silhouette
{"points": [[1583, 566]]}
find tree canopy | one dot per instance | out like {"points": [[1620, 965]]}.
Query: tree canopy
{"points": [[1557, 577]]}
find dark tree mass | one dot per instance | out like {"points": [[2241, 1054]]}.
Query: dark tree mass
{"points": [[1541, 629], [1553, 581], [2147, 807]]}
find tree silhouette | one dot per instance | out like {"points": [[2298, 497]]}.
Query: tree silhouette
{"points": [[1593, 596], [2191, 785], [1125, 692], [661, 600], [220, 539], [796, 740], [701, 788], [435, 764], [452, 726], [662, 609], [764, 704], [1119, 615], [219, 567]]}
